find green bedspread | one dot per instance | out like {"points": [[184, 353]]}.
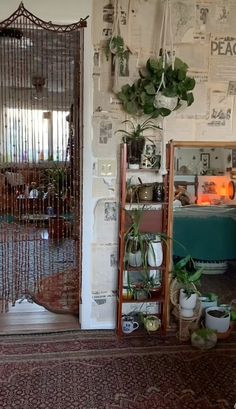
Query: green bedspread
{"points": [[207, 233]]}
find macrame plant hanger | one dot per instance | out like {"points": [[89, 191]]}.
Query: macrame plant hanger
{"points": [[116, 32], [167, 58]]}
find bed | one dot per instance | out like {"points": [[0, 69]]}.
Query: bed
{"points": [[207, 233]]}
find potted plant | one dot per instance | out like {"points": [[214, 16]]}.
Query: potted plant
{"points": [[189, 282], [158, 82], [208, 300], [135, 138], [116, 46], [131, 191], [136, 242], [218, 319], [152, 285], [204, 338], [139, 246]]}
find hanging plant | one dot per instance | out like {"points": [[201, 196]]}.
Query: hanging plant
{"points": [[158, 82], [116, 46]]}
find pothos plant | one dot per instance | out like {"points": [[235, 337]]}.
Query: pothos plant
{"points": [[171, 80]]}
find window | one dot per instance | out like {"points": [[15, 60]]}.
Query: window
{"points": [[34, 136]]}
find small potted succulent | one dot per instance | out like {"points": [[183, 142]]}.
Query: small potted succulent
{"points": [[204, 338], [208, 300]]}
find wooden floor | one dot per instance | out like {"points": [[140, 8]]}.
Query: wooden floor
{"points": [[28, 317]]}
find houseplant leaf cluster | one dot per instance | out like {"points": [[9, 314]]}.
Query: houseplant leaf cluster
{"points": [[135, 138], [188, 280], [116, 46], [139, 98]]}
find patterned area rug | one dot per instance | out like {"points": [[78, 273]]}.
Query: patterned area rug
{"points": [[97, 370]]}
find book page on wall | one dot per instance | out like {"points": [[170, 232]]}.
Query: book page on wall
{"points": [[215, 13], [221, 110], [104, 267], [222, 60]]}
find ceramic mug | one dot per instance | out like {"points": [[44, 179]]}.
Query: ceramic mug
{"points": [[129, 325]]}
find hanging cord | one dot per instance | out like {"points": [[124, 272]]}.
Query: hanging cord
{"points": [[115, 33], [116, 26], [166, 24]]}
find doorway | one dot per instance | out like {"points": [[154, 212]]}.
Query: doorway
{"points": [[41, 81]]}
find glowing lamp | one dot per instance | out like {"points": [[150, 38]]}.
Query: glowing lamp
{"points": [[223, 190]]}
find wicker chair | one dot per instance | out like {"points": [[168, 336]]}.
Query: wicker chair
{"points": [[186, 325]]}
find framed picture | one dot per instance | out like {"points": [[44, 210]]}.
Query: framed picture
{"points": [[205, 159]]}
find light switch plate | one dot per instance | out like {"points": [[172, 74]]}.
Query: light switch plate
{"points": [[106, 167]]}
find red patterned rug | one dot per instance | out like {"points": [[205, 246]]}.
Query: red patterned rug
{"points": [[96, 370]]}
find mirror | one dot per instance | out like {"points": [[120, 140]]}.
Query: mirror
{"points": [[203, 223]]}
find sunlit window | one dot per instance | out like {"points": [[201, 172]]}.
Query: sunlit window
{"points": [[34, 136]]}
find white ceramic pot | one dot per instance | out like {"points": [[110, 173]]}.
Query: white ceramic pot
{"points": [[155, 253], [135, 259], [187, 304], [219, 324], [205, 303], [161, 101]]}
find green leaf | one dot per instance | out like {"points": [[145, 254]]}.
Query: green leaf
{"points": [[150, 89], [189, 83], [164, 111], [122, 97], [131, 107], [183, 262], [179, 64], [125, 88], [233, 315], [156, 113], [142, 98], [148, 109], [190, 98], [195, 276], [181, 74], [170, 91]]}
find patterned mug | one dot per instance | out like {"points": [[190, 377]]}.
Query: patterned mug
{"points": [[129, 325]]}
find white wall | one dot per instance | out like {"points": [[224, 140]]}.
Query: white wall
{"points": [[66, 12]]}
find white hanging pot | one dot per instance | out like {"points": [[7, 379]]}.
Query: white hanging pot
{"points": [[155, 253], [161, 101], [217, 318], [187, 304]]}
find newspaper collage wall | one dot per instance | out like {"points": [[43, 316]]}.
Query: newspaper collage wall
{"points": [[205, 38]]}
